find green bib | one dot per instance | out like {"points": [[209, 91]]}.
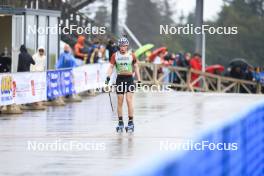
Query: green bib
{"points": [[124, 63]]}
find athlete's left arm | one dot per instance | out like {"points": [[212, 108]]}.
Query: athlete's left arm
{"points": [[136, 67]]}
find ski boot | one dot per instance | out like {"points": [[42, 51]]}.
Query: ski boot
{"points": [[130, 127], [120, 126]]}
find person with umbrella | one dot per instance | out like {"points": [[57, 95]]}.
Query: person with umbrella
{"points": [[144, 49], [237, 68], [215, 69], [157, 55]]}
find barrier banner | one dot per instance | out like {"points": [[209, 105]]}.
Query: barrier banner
{"points": [[92, 76], [67, 87], [80, 79], [89, 77], [6, 93], [102, 74], [53, 84], [59, 83], [261, 78], [29, 87]]}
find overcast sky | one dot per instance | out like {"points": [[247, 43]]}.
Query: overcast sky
{"points": [[211, 7]]}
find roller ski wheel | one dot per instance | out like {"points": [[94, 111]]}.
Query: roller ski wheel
{"points": [[120, 127], [130, 127]]}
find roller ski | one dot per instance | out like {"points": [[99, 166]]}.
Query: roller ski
{"points": [[130, 127], [120, 127]]}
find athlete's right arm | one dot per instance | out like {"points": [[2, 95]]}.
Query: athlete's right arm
{"points": [[110, 70]]}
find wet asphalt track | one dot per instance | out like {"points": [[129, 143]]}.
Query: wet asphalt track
{"points": [[159, 117]]}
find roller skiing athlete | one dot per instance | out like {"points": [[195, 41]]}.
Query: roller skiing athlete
{"points": [[125, 63]]}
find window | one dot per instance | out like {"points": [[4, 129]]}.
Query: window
{"points": [[53, 42], [31, 33], [42, 32]]}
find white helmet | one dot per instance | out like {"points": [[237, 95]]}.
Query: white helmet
{"points": [[123, 41]]}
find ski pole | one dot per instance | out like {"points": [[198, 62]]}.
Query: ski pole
{"points": [[107, 82], [111, 101]]}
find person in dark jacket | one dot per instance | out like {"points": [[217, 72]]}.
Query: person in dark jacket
{"points": [[24, 60]]}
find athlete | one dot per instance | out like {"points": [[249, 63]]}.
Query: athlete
{"points": [[126, 64]]}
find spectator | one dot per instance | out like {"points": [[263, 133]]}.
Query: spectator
{"points": [[79, 50], [256, 74], [249, 74], [187, 58], [24, 60], [236, 72], [66, 59], [112, 48], [40, 65], [5, 63], [174, 77], [168, 61], [183, 59], [93, 53], [159, 58], [180, 60], [101, 53], [196, 64], [40, 60]]}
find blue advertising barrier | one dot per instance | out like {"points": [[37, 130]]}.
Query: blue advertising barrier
{"points": [[243, 154], [59, 83], [261, 77]]}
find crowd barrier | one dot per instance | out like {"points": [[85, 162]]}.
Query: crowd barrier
{"points": [[30, 87], [246, 130]]}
